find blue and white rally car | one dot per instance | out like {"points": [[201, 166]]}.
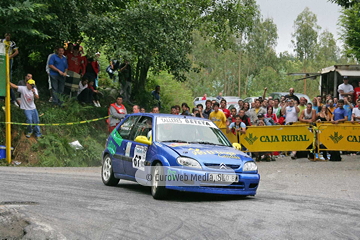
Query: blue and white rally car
{"points": [[177, 152]]}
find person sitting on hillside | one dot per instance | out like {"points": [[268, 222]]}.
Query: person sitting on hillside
{"points": [[84, 93], [95, 93]]}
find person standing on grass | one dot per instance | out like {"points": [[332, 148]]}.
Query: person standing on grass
{"points": [[28, 94], [58, 70]]}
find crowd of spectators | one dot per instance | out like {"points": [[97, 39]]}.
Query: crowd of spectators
{"points": [[283, 111], [68, 63]]}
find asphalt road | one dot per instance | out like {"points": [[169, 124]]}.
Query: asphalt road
{"points": [[295, 200]]}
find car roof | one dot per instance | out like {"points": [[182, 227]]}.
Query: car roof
{"points": [[158, 115]]}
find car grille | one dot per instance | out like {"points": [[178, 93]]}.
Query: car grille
{"points": [[217, 166]]}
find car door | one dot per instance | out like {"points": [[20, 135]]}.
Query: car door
{"points": [[136, 152], [121, 138]]}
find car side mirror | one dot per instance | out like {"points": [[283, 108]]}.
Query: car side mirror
{"points": [[143, 139], [237, 146]]}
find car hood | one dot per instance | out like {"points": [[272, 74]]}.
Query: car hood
{"points": [[209, 153]]}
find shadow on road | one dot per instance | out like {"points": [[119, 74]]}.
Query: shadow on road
{"points": [[177, 196]]}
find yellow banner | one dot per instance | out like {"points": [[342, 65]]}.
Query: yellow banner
{"points": [[275, 138], [340, 137]]}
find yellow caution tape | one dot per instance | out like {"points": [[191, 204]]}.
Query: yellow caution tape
{"points": [[57, 124]]}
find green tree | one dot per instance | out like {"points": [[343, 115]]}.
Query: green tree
{"points": [[328, 51], [350, 23], [260, 45], [157, 35], [305, 35], [345, 3]]}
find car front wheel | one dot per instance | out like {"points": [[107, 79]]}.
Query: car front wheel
{"points": [[158, 190], [107, 173]]}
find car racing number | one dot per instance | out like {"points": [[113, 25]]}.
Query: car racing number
{"points": [[139, 157]]}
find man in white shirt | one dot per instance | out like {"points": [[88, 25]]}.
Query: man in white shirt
{"points": [[47, 69], [356, 112], [345, 89], [28, 94]]}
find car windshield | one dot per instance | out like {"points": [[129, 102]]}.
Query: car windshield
{"points": [[188, 130]]}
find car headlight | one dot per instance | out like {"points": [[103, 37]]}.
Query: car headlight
{"points": [[250, 166], [188, 162]]}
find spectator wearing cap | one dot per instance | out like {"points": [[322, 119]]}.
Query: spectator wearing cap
{"points": [[218, 117], [345, 88], [261, 120], [28, 94]]}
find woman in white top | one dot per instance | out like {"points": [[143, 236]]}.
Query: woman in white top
{"points": [[84, 93]]}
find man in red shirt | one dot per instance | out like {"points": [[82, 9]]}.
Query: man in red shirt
{"points": [[357, 92], [75, 61], [224, 109]]}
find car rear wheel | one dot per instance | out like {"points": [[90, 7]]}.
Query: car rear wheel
{"points": [[158, 190], [107, 173]]}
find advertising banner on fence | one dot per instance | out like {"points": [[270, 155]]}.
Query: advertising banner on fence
{"points": [[277, 138], [340, 137], [2, 70]]}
